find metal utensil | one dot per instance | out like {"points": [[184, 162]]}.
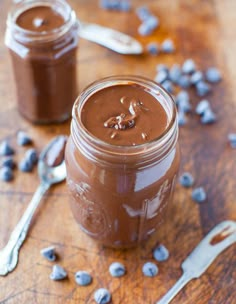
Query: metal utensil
{"points": [[48, 175], [112, 39], [217, 240]]}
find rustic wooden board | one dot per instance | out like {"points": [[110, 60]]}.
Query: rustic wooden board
{"points": [[203, 30]]}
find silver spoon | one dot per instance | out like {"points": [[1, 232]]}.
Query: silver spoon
{"points": [[51, 170], [112, 39], [217, 240]]}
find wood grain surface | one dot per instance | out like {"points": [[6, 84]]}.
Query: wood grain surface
{"points": [[202, 30]]}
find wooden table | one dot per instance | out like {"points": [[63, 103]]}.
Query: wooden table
{"points": [[202, 30]]}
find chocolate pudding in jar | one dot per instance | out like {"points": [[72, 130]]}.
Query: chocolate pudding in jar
{"points": [[122, 159], [42, 36]]}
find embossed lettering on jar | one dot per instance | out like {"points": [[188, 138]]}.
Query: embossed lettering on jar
{"points": [[42, 37], [122, 158]]}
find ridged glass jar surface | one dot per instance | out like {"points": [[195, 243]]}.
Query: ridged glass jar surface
{"points": [[119, 194]]}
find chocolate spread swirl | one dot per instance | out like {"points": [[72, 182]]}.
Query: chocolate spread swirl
{"points": [[125, 115], [125, 121]]}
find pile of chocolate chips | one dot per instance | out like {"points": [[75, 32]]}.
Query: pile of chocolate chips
{"points": [[150, 22], [187, 76], [115, 5], [116, 269], [7, 162]]}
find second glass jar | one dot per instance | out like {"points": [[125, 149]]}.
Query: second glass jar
{"points": [[44, 60]]}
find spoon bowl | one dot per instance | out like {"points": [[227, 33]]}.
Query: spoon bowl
{"points": [[51, 173]]}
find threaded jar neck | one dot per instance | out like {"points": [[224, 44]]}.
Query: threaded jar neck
{"points": [[28, 37]]}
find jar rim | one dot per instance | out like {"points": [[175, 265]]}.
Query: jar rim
{"points": [[26, 35], [116, 80]]}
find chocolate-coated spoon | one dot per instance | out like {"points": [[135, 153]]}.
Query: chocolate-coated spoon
{"points": [[112, 39], [217, 240]]}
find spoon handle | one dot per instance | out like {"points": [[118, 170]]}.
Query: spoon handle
{"points": [[9, 254], [169, 296]]}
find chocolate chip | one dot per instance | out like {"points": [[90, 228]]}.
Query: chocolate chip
{"points": [[182, 95], [232, 139], [184, 81], [175, 73], [161, 76], [196, 77], [213, 75], [8, 162], [6, 174], [120, 122], [186, 180], [117, 269], [6, 149], [162, 67], [153, 48], [125, 6], [83, 278], [31, 156], [115, 5], [143, 13], [49, 253], [105, 4], [202, 88], [152, 22], [150, 269], [188, 66], [58, 273], [25, 165], [144, 29], [208, 117], [148, 26], [199, 195], [202, 106], [23, 139], [102, 296], [160, 253], [167, 46], [167, 84], [184, 105]]}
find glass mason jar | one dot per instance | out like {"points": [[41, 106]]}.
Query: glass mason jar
{"points": [[44, 62], [120, 193]]}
